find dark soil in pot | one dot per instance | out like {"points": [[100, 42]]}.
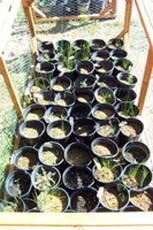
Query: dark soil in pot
{"points": [[123, 94], [100, 56], [32, 131], [114, 197], [45, 98], [51, 154], [118, 54], [85, 67], [106, 171], [26, 158], [55, 113], [37, 85], [78, 154], [103, 111], [18, 184], [126, 110], [45, 178], [45, 69], [104, 68], [97, 44], [54, 200], [12, 205], [107, 81], [80, 111], [143, 200], [84, 81], [126, 80], [46, 47], [104, 148], [104, 95], [115, 43], [84, 200], [135, 152], [122, 65], [84, 96], [137, 177], [75, 177], [61, 84], [65, 99], [34, 112]]}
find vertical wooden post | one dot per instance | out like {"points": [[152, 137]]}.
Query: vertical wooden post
{"points": [[127, 19], [8, 82], [146, 79]]}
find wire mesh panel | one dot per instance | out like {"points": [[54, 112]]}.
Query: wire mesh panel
{"points": [[18, 58]]}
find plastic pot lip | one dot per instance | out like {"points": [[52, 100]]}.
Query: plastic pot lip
{"points": [[105, 139], [23, 125], [90, 63], [44, 71], [43, 50], [64, 79], [51, 97], [118, 109], [83, 76], [31, 83], [125, 89], [76, 43], [84, 146], [9, 199], [77, 191], [97, 40], [139, 145], [55, 144], [119, 61], [85, 119], [97, 54], [134, 121], [111, 182], [60, 108], [137, 189], [118, 50], [112, 40], [107, 77], [125, 205], [50, 125], [96, 92], [79, 106], [10, 177], [84, 91], [48, 168], [30, 108], [125, 74], [22, 150], [67, 94], [77, 167], [104, 105]]}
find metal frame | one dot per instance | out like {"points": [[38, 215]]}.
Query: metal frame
{"points": [[86, 219]]}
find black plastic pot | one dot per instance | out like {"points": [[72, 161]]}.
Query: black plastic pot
{"points": [[47, 200], [104, 148], [109, 128], [103, 111], [123, 94], [135, 152], [131, 208], [114, 197], [45, 178], [137, 199], [75, 177], [51, 154], [46, 57], [122, 65], [61, 84], [46, 47], [84, 130], [126, 110], [12, 205], [37, 85], [105, 95], [84, 200], [136, 177], [83, 6], [84, 67], [32, 131], [107, 172], [65, 99], [34, 112], [45, 98], [115, 43], [18, 184], [97, 45], [99, 56], [67, 70], [55, 113], [78, 154], [85, 82], [80, 110], [104, 68], [81, 49], [130, 130], [107, 81], [118, 54], [59, 131], [26, 158], [126, 80], [84, 96], [45, 69]]}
